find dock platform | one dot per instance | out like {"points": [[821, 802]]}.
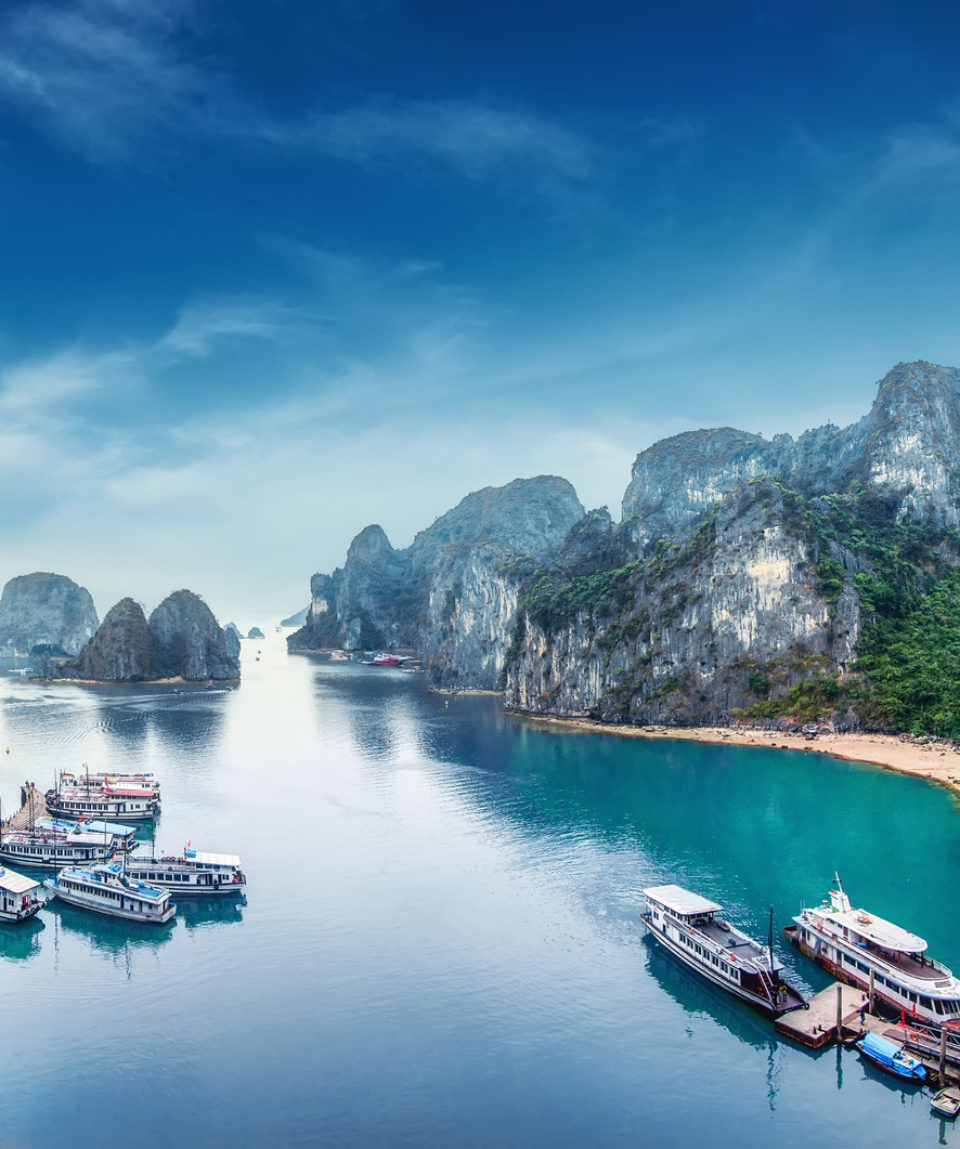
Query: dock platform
{"points": [[34, 806], [817, 1025]]}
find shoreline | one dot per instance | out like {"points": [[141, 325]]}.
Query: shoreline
{"points": [[937, 762]]}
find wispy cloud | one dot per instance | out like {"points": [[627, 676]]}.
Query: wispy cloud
{"points": [[472, 137], [110, 79]]}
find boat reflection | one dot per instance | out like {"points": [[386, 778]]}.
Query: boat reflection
{"points": [[696, 995], [194, 912], [20, 941], [106, 934]]}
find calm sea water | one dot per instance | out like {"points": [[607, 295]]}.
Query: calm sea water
{"points": [[440, 943]]}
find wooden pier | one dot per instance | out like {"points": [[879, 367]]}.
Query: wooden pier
{"points": [[833, 1013], [34, 806]]}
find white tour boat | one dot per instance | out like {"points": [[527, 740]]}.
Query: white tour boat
{"points": [[858, 947], [113, 803], [18, 901], [101, 779], [106, 889], [38, 847], [687, 925], [185, 877]]}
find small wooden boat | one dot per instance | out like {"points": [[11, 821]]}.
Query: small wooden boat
{"points": [[946, 1103], [891, 1057]]}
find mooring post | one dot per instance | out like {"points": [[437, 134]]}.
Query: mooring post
{"points": [[943, 1051], [839, 1012]]}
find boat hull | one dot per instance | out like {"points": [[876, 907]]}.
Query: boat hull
{"points": [[793, 1001], [84, 902], [22, 914]]}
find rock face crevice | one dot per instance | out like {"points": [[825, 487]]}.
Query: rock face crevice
{"points": [[181, 640], [45, 613]]}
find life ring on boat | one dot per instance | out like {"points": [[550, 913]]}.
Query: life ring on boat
{"points": [[864, 919], [912, 1035]]}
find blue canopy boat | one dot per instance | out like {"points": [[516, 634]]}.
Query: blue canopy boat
{"points": [[891, 1057]]}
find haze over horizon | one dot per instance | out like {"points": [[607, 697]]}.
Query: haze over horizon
{"points": [[268, 280]]}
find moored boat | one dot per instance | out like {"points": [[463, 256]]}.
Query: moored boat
{"points": [[100, 779], [18, 899], [105, 889], [113, 803], [891, 1057], [687, 925], [191, 878], [854, 945], [946, 1103], [38, 847]]}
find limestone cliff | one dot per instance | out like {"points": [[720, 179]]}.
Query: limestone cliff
{"points": [[120, 651], [188, 643], [45, 614], [748, 577], [181, 640], [452, 594]]}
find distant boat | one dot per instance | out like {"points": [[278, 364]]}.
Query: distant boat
{"points": [[851, 944], [891, 1057], [105, 889], [687, 925]]}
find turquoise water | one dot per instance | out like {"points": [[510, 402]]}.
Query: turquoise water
{"points": [[440, 942]]}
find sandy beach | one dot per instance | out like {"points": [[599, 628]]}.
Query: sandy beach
{"points": [[937, 761]]}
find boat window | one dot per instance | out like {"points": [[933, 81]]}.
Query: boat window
{"points": [[926, 1002]]}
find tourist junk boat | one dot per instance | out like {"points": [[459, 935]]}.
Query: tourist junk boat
{"points": [[687, 925], [37, 847], [98, 780], [17, 898], [106, 889], [121, 838], [891, 1057], [116, 803], [194, 873], [854, 945]]}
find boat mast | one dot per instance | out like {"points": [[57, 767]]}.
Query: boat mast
{"points": [[770, 946]]}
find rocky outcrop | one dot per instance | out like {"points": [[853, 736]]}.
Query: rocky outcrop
{"points": [[453, 593], [254, 632], [45, 614], [188, 643], [121, 650], [181, 640], [231, 637], [679, 638], [905, 447]]}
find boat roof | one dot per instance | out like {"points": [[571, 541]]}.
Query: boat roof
{"points": [[874, 1043], [15, 883], [681, 901], [212, 859], [882, 933]]}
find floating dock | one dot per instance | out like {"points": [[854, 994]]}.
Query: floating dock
{"points": [[34, 806], [829, 1015]]}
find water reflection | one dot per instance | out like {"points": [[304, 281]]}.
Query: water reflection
{"points": [[211, 911], [696, 995], [20, 942], [106, 935]]}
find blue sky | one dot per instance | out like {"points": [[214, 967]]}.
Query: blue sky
{"points": [[272, 272]]}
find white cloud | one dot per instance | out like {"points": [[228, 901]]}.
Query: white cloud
{"points": [[112, 80]]}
